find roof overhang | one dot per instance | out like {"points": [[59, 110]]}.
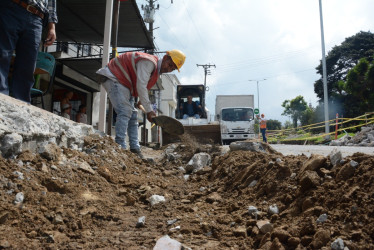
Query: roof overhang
{"points": [[82, 21]]}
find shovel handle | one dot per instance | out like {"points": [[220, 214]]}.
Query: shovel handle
{"points": [[141, 107]]}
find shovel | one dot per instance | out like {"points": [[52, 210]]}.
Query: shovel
{"points": [[168, 124]]}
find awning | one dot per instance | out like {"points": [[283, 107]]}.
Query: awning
{"points": [[86, 67], [82, 21]]}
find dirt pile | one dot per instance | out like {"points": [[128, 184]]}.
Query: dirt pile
{"points": [[69, 199]]}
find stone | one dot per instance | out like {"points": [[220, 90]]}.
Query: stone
{"points": [[353, 163], [253, 183], [198, 162], [273, 209], [155, 199], [252, 209], [281, 234], [11, 145], [320, 238], [264, 226], [335, 157], [85, 167], [247, 146], [141, 222], [214, 197], [337, 244], [166, 243], [345, 173], [314, 163], [240, 231], [322, 218], [308, 180], [49, 151], [19, 198]]}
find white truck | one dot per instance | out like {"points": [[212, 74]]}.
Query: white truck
{"points": [[235, 116]]}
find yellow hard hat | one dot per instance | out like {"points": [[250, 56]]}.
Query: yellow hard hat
{"points": [[177, 56]]}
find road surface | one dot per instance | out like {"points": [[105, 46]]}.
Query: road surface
{"points": [[319, 149]]}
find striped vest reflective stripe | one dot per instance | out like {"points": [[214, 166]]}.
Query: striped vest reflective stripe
{"points": [[123, 68]]}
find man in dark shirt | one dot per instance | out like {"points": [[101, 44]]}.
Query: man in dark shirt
{"points": [[190, 108], [21, 24]]}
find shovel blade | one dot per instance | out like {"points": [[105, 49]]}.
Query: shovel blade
{"points": [[170, 125]]}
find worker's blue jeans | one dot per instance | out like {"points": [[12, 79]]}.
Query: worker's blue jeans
{"points": [[263, 132], [20, 31], [127, 114]]}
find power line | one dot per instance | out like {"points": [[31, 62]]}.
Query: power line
{"points": [[268, 77], [197, 31], [176, 38]]}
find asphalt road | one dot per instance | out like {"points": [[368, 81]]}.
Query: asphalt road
{"points": [[319, 149]]}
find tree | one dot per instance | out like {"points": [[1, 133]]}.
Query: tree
{"points": [[308, 116], [273, 125], [295, 109], [359, 88], [287, 124], [339, 61]]}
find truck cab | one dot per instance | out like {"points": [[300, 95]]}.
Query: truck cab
{"points": [[236, 123]]}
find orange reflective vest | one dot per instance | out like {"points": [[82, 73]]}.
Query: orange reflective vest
{"points": [[123, 68], [262, 123]]}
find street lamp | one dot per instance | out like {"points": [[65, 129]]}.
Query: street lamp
{"points": [[258, 93], [258, 97], [324, 74]]}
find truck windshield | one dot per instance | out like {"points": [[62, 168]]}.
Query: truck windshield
{"points": [[237, 114]]}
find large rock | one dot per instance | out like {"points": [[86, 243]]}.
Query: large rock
{"points": [[166, 243], [198, 162], [248, 146], [308, 180], [36, 126], [335, 157], [11, 145], [314, 163]]}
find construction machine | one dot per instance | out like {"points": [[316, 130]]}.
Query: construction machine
{"points": [[204, 129]]}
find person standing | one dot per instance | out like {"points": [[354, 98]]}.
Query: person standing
{"points": [[65, 112], [66, 100], [263, 128], [131, 75], [82, 116], [21, 24]]}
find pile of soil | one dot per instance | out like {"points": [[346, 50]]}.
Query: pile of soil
{"points": [[95, 197]]}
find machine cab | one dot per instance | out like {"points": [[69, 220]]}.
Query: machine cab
{"points": [[198, 96]]}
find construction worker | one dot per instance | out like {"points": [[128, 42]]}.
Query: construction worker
{"points": [[131, 75], [263, 128]]}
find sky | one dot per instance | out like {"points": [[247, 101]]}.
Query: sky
{"points": [[276, 43]]}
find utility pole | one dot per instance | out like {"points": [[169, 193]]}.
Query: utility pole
{"points": [[149, 12], [325, 92], [258, 100], [206, 72]]}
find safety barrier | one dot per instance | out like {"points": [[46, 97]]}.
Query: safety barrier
{"points": [[302, 132]]}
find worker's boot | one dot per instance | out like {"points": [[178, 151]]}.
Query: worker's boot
{"points": [[138, 152]]}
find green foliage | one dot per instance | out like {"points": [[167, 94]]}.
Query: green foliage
{"points": [[295, 108], [287, 125], [273, 125], [359, 88], [339, 61], [308, 116]]}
